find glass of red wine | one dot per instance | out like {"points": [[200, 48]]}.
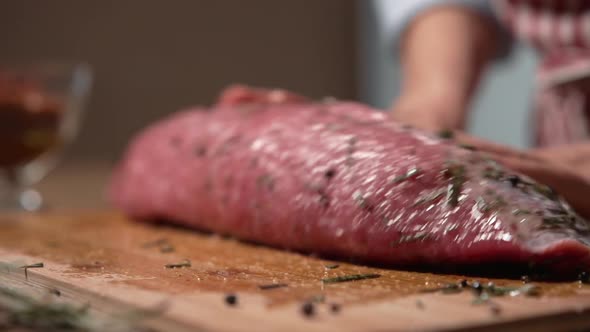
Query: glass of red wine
{"points": [[41, 105]]}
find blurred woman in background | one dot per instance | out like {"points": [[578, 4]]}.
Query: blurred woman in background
{"points": [[445, 46]]}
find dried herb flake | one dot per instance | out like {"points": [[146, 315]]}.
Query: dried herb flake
{"points": [[185, 263], [350, 277], [272, 286], [446, 134], [31, 266]]}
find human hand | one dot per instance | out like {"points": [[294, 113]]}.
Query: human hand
{"points": [[542, 165]]}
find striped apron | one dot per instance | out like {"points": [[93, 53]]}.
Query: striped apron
{"points": [[560, 31]]}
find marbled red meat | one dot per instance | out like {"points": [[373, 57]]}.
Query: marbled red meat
{"points": [[340, 179]]}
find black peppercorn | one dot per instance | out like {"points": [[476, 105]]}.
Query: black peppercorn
{"points": [[308, 309], [231, 299], [463, 283], [514, 180], [330, 173], [335, 308]]}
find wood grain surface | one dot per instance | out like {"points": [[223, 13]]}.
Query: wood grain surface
{"points": [[109, 262]]}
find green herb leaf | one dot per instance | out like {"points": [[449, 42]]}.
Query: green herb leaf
{"points": [[31, 266], [332, 266], [185, 263], [272, 286], [456, 172], [446, 134], [351, 277]]}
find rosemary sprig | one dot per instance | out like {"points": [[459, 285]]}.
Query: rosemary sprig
{"points": [[184, 263], [350, 277], [457, 174], [272, 286], [332, 266], [446, 134], [31, 266], [483, 293]]}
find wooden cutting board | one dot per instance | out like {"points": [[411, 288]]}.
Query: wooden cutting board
{"points": [[114, 264]]}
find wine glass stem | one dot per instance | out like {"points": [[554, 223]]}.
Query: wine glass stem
{"points": [[9, 190], [13, 197]]}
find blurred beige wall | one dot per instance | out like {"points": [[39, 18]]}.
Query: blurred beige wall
{"points": [[153, 57]]}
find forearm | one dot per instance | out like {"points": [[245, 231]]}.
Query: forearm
{"points": [[443, 53]]}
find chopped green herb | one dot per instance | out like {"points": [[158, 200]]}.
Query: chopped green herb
{"points": [[412, 172], [545, 190], [456, 173], [446, 134], [272, 286], [350, 277], [483, 293], [493, 173], [31, 266], [332, 266], [446, 289], [518, 212], [486, 206], [185, 263]]}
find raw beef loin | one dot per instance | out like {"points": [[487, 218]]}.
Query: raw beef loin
{"points": [[341, 179]]}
